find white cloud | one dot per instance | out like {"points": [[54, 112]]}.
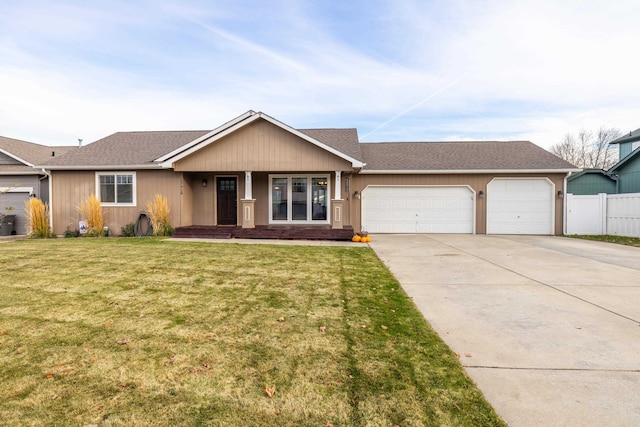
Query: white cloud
{"points": [[533, 70]]}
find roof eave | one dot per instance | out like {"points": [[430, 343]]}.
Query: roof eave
{"points": [[204, 137], [13, 156], [461, 171], [22, 173], [100, 167]]}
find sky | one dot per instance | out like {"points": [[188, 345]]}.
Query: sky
{"points": [[397, 70]]}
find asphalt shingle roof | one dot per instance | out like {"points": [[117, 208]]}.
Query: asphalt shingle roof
{"points": [[31, 152], [344, 140], [127, 148], [477, 155], [630, 137]]}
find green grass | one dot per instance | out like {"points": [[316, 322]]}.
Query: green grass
{"points": [[620, 240], [145, 332]]}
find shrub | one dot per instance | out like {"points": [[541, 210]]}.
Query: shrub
{"points": [[158, 210], [37, 218], [92, 212], [128, 230], [69, 233]]}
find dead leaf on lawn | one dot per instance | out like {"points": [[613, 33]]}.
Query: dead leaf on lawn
{"points": [[280, 319], [384, 328], [270, 391], [123, 341], [322, 329], [457, 355]]}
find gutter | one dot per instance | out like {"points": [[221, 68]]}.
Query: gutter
{"points": [[102, 167], [463, 171]]}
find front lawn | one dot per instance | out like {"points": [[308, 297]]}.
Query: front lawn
{"points": [[142, 332]]}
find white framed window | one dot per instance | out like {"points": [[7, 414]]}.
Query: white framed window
{"points": [[116, 188], [299, 199]]}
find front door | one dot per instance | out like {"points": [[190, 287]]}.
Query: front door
{"points": [[227, 200]]}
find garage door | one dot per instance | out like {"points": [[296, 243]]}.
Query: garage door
{"points": [[418, 209], [520, 206], [15, 201]]}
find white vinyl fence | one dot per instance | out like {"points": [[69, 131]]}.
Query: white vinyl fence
{"points": [[613, 214]]}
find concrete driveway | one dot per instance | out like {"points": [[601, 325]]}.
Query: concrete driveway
{"points": [[547, 327]]}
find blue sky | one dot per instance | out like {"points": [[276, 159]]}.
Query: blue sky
{"points": [[396, 70]]}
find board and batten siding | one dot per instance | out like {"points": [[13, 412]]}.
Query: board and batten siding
{"points": [[262, 147], [71, 188], [478, 182]]}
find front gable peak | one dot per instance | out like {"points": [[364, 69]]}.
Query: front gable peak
{"points": [[243, 121]]}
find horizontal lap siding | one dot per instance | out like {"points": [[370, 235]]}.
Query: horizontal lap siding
{"points": [[261, 147], [72, 188], [478, 182]]}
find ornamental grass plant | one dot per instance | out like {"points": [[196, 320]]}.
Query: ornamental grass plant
{"points": [[91, 210], [159, 211], [37, 214]]}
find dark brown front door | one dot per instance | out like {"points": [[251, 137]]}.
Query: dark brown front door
{"points": [[227, 200]]}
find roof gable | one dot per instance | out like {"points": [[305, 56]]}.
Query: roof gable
{"points": [[626, 161], [261, 146], [245, 120], [457, 157]]}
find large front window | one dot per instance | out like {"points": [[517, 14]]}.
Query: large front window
{"points": [[116, 188], [299, 199]]}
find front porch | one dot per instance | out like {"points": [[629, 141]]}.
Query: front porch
{"points": [[284, 232]]}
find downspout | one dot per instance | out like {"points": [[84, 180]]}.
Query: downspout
{"points": [[48, 174], [564, 204], [615, 178]]}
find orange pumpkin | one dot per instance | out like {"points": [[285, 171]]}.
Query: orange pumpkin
{"points": [[356, 238]]}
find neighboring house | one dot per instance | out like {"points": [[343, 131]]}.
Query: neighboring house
{"points": [[623, 177], [20, 179], [256, 171]]}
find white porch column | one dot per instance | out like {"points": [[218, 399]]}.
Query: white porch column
{"points": [[338, 195], [247, 185]]}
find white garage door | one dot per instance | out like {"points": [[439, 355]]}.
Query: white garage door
{"points": [[418, 209], [520, 206]]}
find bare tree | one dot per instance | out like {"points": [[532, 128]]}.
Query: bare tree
{"points": [[589, 149]]}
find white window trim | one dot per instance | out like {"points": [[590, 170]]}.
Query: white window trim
{"points": [[134, 189], [290, 198]]}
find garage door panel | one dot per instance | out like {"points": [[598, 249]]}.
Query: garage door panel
{"points": [[520, 206], [418, 209]]}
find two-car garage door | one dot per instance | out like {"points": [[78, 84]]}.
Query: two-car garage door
{"points": [[513, 206], [418, 209]]}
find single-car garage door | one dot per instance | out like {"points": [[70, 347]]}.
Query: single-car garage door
{"points": [[418, 209], [12, 203], [520, 206]]}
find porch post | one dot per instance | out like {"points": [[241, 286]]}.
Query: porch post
{"points": [[247, 185], [248, 203], [337, 203]]}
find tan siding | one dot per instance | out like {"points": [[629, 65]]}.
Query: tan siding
{"points": [[476, 182], [203, 199], [261, 147], [71, 188], [261, 194]]}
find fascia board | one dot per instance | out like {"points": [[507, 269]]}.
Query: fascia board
{"points": [[355, 163], [13, 156], [204, 141], [462, 171], [99, 167], [204, 137]]}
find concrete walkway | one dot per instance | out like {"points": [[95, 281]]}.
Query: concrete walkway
{"points": [[548, 327]]}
